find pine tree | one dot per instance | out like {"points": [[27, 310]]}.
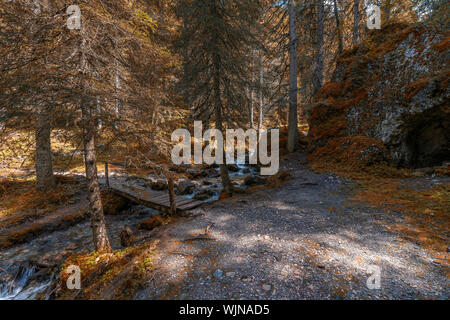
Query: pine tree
{"points": [[215, 37], [51, 74]]}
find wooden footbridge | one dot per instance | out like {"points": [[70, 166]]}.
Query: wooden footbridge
{"points": [[159, 200]]}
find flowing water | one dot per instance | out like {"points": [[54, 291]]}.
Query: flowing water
{"points": [[27, 271]]}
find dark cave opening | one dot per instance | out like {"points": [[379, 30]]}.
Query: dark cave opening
{"points": [[428, 142]]}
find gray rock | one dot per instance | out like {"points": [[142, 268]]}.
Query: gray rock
{"points": [[267, 287], [159, 185], [185, 187], [218, 274], [252, 180], [204, 194], [233, 168], [405, 105]]}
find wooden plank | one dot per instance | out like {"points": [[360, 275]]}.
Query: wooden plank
{"points": [[191, 205], [160, 197], [181, 201], [159, 202]]}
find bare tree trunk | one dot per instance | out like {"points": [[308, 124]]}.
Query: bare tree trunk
{"points": [[261, 94], [252, 112], [387, 6], [226, 183], [338, 27], [356, 19], [99, 115], [218, 109], [45, 180], [100, 236], [116, 100], [318, 72], [293, 88], [101, 241]]}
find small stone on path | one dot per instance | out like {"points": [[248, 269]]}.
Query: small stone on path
{"points": [[218, 274]]}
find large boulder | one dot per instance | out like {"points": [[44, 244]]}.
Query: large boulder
{"points": [[389, 98]]}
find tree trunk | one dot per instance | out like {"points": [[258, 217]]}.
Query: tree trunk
{"points": [[226, 183], [293, 88], [117, 88], [218, 109], [261, 94], [387, 10], [101, 241], [99, 115], [45, 180], [338, 28], [318, 73], [251, 111], [172, 200], [356, 19], [98, 225]]}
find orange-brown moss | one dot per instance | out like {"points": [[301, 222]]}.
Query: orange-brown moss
{"points": [[20, 235], [119, 274], [21, 195], [351, 150], [331, 89], [443, 45], [365, 159], [427, 211], [413, 88]]}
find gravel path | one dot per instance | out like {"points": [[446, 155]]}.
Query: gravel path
{"points": [[302, 241]]}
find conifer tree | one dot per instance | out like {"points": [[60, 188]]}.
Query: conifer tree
{"points": [[215, 39]]}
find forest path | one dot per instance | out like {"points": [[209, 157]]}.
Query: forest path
{"points": [[302, 241]]}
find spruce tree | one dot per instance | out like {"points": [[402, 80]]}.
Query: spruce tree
{"points": [[216, 38]]}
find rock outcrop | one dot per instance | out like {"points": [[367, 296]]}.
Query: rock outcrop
{"points": [[388, 100]]}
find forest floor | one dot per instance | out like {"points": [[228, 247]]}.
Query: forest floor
{"points": [[317, 236], [305, 240]]}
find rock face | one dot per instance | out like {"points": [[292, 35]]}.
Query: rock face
{"points": [[391, 93]]}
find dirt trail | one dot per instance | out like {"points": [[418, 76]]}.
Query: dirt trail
{"points": [[302, 241]]}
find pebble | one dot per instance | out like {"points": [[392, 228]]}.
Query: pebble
{"points": [[218, 274], [267, 287]]}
